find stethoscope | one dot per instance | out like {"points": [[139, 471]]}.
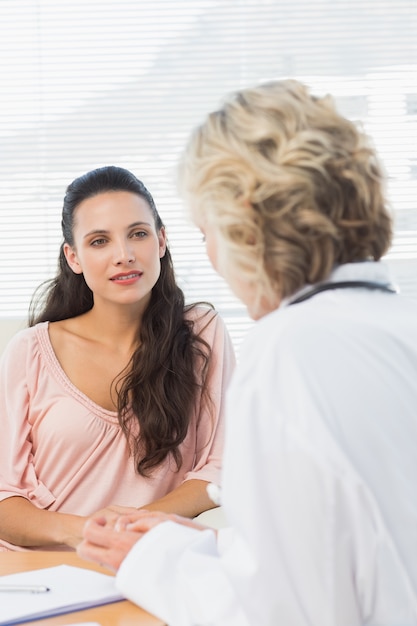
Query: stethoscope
{"points": [[343, 285]]}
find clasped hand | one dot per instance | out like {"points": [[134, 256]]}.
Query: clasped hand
{"points": [[108, 539]]}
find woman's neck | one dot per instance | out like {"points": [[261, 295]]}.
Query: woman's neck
{"points": [[115, 328]]}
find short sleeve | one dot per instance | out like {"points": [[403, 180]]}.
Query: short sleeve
{"points": [[17, 472], [209, 421]]}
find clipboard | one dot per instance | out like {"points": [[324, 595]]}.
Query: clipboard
{"points": [[69, 589]]}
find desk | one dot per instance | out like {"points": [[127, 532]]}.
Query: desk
{"points": [[123, 613]]}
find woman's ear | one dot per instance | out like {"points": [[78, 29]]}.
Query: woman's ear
{"points": [[72, 259], [162, 238]]}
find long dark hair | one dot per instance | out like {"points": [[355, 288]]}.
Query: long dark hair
{"points": [[166, 376]]}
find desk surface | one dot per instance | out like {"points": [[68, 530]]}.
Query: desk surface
{"points": [[123, 613]]}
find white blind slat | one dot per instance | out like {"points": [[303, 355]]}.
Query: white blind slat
{"points": [[86, 83]]}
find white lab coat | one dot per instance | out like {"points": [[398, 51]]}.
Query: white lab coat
{"points": [[319, 478]]}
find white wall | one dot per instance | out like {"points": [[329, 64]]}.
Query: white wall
{"points": [[7, 329]]}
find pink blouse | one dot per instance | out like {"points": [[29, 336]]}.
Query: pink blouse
{"points": [[63, 452]]}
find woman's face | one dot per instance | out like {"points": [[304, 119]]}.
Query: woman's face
{"points": [[116, 247], [244, 289]]}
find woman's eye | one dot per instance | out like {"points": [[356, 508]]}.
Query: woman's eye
{"points": [[98, 242], [139, 234]]}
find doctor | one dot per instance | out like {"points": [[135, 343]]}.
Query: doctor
{"points": [[320, 468]]}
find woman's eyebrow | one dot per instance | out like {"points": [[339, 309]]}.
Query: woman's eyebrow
{"points": [[97, 231], [139, 224], [103, 231]]}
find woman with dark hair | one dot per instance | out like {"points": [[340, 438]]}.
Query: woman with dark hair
{"points": [[112, 399]]}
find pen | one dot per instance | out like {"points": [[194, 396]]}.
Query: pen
{"points": [[24, 588]]}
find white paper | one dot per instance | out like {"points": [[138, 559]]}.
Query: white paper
{"points": [[71, 589]]}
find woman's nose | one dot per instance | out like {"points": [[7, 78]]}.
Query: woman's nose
{"points": [[124, 254]]}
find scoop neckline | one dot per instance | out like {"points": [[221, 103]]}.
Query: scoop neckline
{"points": [[43, 333]]}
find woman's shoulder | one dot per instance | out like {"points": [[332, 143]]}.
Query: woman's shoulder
{"points": [[207, 321], [202, 315], [26, 336], [25, 343], [211, 327]]}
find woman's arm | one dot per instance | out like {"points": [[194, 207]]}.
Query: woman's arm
{"points": [[209, 418], [189, 499], [24, 524]]}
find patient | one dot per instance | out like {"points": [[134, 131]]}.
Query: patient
{"points": [[112, 400], [320, 465]]}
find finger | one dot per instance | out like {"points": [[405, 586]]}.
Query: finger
{"points": [[139, 513], [100, 521], [147, 523], [143, 525], [149, 519], [92, 552], [107, 548], [124, 520], [98, 532]]}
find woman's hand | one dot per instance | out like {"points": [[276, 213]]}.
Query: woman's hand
{"points": [[72, 526], [109, 543], [143, 520], [104, 545], [112, 513]]}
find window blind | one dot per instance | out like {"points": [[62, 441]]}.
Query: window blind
{"points": [[86, 83]]}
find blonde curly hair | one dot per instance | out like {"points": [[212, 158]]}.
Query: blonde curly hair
{"points": [[291, 187]]}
